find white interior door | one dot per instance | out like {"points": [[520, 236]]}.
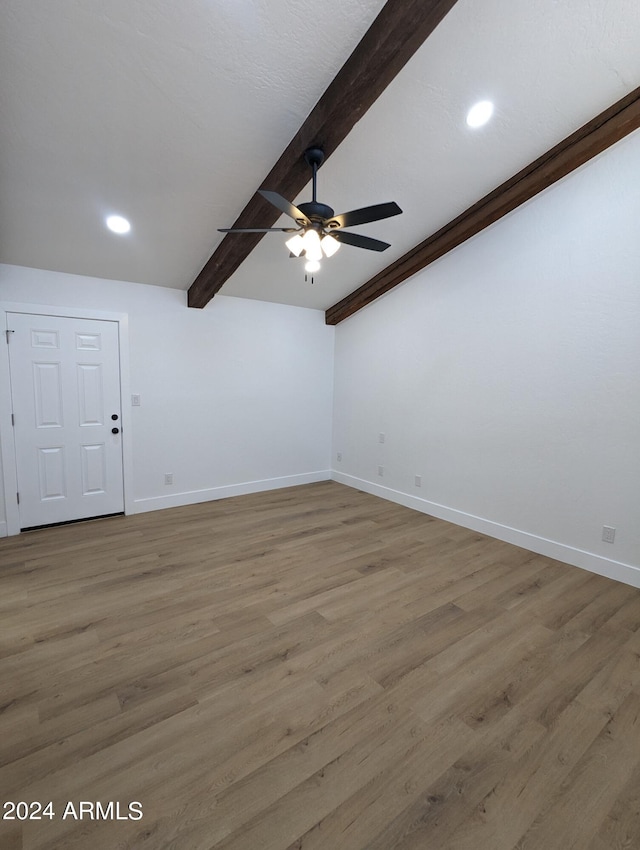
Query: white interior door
{"points": [[65, 385]]}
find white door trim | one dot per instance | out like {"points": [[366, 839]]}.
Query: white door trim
{"points": [[7, 437]]}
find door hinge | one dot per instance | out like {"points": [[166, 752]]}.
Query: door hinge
{"points": [[13, 419], [18, 497], [7, 332]]}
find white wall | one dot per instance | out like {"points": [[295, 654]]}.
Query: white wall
{"points": [[235, 397], [507, 375]]}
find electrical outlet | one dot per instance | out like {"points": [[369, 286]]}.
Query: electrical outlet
{"points": [[168, 478], [135, 400], [608, 534], [381, 471], [381, 437], [339, 457], [418, 480]]}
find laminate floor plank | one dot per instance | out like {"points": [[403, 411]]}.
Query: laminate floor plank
{"points": [[621, 827], [313, 668], [618, 748]]}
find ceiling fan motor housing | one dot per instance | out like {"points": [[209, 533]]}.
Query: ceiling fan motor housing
{"points": [[315, 211]]}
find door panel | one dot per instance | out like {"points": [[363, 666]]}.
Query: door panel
{"points": [[65, 383], [90, 400], [94, 469], [47, 395], [51, 473]]}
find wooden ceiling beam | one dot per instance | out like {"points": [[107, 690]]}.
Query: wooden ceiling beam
{"points": [[591, 139], [395, 35]]}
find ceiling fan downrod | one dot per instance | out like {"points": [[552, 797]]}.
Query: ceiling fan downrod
{"points": [[314, 157]]}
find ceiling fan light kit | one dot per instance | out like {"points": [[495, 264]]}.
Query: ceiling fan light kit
{"points": [[319, 232]]}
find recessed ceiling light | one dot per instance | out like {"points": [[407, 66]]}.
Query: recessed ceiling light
{"points": [[480, 113], [118, 224]]}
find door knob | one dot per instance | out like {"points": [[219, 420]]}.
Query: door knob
{"points": [[115, 430]]}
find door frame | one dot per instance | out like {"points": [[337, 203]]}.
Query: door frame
{"points": [[7, 433]]}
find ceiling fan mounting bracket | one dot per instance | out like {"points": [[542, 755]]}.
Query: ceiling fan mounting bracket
{"points": [[314, 156]]}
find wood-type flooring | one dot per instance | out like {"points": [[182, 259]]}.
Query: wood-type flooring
{"points": [[312, 669]]}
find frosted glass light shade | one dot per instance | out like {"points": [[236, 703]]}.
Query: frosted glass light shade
{"points": [[312, 248], [329, 245], [295, 244]]}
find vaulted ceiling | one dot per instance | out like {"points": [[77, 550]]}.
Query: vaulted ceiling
{"points": [[174, 114]]}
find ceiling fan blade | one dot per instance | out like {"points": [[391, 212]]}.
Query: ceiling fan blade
{"points": [[359, 241], [284, 206], [257, 229], [364, 215]]}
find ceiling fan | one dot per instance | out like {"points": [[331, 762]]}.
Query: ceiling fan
{"points": [[318, 231]]}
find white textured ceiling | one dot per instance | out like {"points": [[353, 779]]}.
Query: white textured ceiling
{"points": [[173, 113]]}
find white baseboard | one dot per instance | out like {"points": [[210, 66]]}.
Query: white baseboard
{"points": [[4, 531], [550, 548], [193, 497]]}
